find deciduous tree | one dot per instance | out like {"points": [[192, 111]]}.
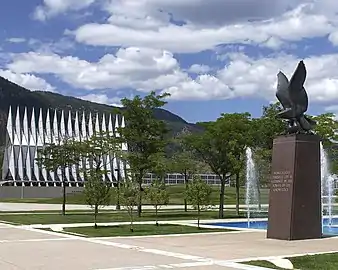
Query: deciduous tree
{"points": [[221, 146], [199, 194], [130, 193], [60, 156], [144, 134], [157, 195], [97, 192]]}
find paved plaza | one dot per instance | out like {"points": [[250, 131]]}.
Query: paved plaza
{"points": [[32, 249]]}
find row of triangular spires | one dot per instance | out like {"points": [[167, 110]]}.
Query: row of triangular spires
{"points": [[25, 136]]}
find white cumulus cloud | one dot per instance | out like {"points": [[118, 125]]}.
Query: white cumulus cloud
{"points": [[28, 81], [51, 8]]}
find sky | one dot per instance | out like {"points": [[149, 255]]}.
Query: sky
{"points": [[212, 56]]}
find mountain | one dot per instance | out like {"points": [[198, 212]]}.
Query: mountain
{"points": [[14, 95]]}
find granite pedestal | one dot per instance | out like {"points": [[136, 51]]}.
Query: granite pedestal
{"points": [[295, 188]]}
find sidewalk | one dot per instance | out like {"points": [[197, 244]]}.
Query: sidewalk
{"points": [[23, 207]]}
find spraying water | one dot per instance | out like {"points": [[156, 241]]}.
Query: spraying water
{"points": [[327, 189], [251, 198]]}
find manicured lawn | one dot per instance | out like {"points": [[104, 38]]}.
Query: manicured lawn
{"points": [[108, 217], [176, 196], [263, 264], [143, 229], [313, 262]]}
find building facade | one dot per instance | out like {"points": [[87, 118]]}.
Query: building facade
{"points": [[28, 130]]}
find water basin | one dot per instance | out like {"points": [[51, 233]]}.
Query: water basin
{"points": [[263, 224]]}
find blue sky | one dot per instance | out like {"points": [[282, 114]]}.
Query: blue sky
{"points": [[212, 56]]}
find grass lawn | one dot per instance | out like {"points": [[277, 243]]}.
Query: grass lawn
{"points": [[176, 193], [117, 216], [149, 229], [313, 262]]}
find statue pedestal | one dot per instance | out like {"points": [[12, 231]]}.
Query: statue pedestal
{"points": [[295, 188]]}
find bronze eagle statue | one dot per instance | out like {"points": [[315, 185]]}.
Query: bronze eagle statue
{"points": [[294, 99]]}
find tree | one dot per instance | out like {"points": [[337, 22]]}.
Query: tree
{"points": [[96, 149], [60, 156], [183, 162], [157, 195], [221, 146], [129, 194], [327, 130], [199, 194], [97, 192], [144, 134]]}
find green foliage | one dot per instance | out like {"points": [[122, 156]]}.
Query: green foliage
{"points": [[326, 128], [157, 195], [60, 156], [222, 146], [97, 192], [97, 147], [199, 194], [130, 193], [144, 134]]}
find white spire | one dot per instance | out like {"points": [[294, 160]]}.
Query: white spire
{"points": [[69, 126], [20, 165], [28, 167], [104, 127], [62, 126], [48, 136], [11, 162], [76, 126], [110, 125], [36, 168], [83, 127], [55, 136], [32, 137], [97, 124], [90, 126], [117, 134], [40, 135], [115, 167], [17, 133], [123, 123], [10, 124], [25, 134], [108, 167]]}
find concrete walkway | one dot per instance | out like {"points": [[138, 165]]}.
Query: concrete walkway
{"points": [[25, 207], [38, 249]]}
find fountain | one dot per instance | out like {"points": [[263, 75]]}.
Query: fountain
{"points": [[251, 196], [327, 190]]}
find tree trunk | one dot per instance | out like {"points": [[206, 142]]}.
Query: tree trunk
{"points": [[96, 210], [221, 199], [63, 192], [237, 194], [186, 188], [259, 195], [139, 206], [198, 216], [131, 220], [156, 215]]}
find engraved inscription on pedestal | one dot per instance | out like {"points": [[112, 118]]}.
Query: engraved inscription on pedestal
{"points": [[281, 181]]}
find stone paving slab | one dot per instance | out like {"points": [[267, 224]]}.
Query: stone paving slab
{"points": [[32, 249], [74, 255], [12, 233], [232, 246]]}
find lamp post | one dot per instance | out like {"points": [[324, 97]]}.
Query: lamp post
{"points": [[118, 207]]}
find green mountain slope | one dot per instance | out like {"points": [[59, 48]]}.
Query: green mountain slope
{"points": [[13, 95]]}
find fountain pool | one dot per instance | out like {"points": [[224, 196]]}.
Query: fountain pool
{"points": [[328, 230]]}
